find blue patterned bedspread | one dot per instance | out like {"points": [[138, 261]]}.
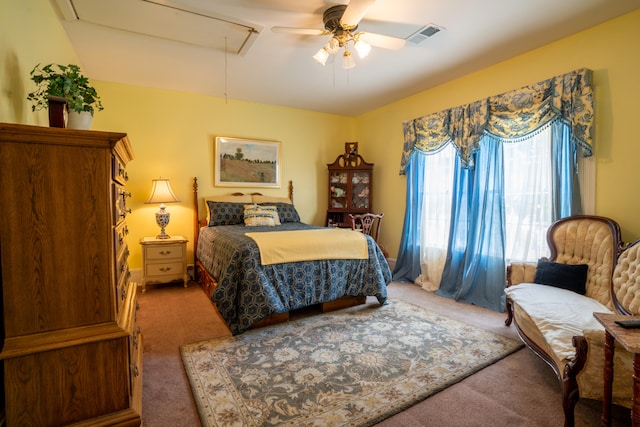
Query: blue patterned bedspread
{"points": [[248, 291]]}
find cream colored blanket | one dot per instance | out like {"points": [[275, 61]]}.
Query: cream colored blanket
{"points": [[308, 245]]}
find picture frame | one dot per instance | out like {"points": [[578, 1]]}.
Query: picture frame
{"points": [[242, 162]]}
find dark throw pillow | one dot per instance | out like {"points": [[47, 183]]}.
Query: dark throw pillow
{"points": [[225, 213], [572, 277], [286, 211]]}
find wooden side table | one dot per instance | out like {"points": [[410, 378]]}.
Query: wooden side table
{"points": [[164, 260], [630, 340]]}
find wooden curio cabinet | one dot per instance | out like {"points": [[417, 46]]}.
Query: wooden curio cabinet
{"points": [[350, 179]]}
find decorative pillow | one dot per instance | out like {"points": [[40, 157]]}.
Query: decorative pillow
{"points": [[225, 213], [255, 215], [230, 198], [286, 212], [572, 277], [259, 199]]}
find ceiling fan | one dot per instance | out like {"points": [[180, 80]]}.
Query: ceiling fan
{"points": [[341, 22]]}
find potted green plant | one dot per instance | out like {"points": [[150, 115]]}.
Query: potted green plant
{"points": [[55, 81]]}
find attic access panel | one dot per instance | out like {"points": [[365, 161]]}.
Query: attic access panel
{"points": [[166, 20]]}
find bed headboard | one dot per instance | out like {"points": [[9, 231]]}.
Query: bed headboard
{"points": [[198, 222]]}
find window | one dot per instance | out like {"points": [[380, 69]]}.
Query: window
{"points": [[528, 198], [528, 203]]}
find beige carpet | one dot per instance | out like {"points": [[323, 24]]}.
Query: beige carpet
{"points": [[519, 390], [352, 367]]}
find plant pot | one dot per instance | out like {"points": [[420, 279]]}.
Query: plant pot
{"points": [[57, 107], [80, 121]]}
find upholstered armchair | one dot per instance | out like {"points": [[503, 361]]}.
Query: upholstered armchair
{"points": [[558, 324]]}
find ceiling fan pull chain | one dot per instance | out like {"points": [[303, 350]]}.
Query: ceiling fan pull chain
{"points": [[225, 70]]}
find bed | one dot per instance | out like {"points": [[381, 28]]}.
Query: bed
{"points": [[250, 290]]}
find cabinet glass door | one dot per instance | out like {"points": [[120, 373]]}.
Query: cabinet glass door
{"points": [[339, 189], [360, 190]]}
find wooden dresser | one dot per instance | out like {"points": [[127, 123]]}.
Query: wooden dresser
{"points": [[71, 348]]}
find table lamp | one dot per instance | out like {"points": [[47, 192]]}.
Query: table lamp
{"points": [[162, 193]]}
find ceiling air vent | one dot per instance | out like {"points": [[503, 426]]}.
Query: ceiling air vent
{"points": [[424, 33]]}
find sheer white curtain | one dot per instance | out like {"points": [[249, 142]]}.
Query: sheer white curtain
{"points": [[436, 215], [528, 196]]}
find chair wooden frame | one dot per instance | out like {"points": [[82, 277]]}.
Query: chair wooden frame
{"points": [[368, 223]]}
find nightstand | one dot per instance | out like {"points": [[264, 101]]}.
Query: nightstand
{"points": [[164, 260]]}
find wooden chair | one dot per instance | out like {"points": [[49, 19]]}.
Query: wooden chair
{"points": [[368, 223]]}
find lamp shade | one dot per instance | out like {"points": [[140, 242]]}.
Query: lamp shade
{"points": [[161, 192], [321, 56], [347, 61]]}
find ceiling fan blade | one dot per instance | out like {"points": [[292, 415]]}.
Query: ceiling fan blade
{"points": [[305, 31], [385, 42], [355, 12]]}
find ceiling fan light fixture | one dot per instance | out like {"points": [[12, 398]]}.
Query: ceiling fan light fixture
{"points": [[332, 46], [321, 56], [347, 60], [362, 48]]}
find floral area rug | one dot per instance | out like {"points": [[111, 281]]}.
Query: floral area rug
{"points": [[350, 367]]}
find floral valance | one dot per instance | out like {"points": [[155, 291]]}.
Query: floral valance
{"points": [[515, 114]]}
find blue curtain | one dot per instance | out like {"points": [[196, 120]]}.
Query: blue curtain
{"points": [[474, 271], [475, 267], [407, 267], [566, 188]]}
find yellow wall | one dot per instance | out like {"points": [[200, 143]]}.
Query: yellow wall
{"points": [[173, 136], [29, 34], [172, 133], [610, 50]]}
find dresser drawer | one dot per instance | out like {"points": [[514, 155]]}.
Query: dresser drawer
{"points": [[120, 210], [120, 237], [121, 289], [159, 252], [136, 376], [164, 269], [119, 171], [122, 260]]}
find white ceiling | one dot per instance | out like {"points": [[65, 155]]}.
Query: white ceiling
{"points": [[276, 68]]}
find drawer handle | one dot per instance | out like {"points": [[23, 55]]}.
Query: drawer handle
{"points": [[165, 269], [135, 371], [165, 252], [135, 341], [123, 293]]}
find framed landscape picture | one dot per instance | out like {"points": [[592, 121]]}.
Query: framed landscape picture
{"points": [[246, 163]]}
